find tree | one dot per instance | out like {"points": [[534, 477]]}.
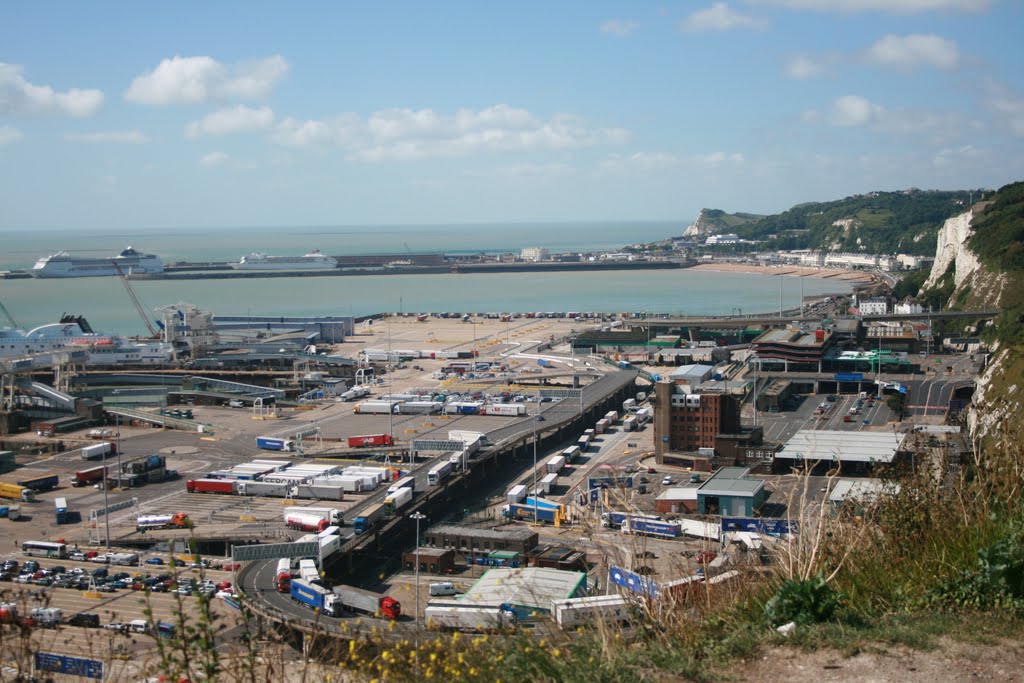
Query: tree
{"points": [[897, 403]]}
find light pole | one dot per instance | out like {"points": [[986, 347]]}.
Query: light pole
{"points": [[416, 617], [535, 418]]}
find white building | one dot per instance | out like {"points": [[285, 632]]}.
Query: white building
{"points": [[728, 238], [878, 306], [535, 254], [908, 308]]}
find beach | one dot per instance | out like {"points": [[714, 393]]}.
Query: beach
{"points": [[851, 276]]}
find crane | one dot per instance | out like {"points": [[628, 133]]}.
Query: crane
{"points": [[135, 300], [7, 314]]}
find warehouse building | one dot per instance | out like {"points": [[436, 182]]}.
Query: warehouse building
{"points": [[529, 592], [431, 560], [730, 492], [824, 450], [679, 499]]}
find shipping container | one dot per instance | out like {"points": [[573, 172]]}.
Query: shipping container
{"points": [[549, 482], [601, 426], [592, 610], [457, 616], [555, 464], [93, 475], [516, 494], [210, 486], [40, 482], [419, 408], [377, 407], [98, 450], [263, 488], [370, 440], [505, 409]]}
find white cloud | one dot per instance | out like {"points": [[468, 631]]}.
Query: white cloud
{"points": [[854, 110], [908, 52], [238, 119], [533, 170], [1007, 105], [19, 97], [887, 6], [189, 80], [125, 137], [804, 68], [9, 134], [719, 17], [214, 159], [619, 27], [408, 134], [958, 156], [652, 162]]}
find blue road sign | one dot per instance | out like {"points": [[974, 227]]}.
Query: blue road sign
{"points": [[72, 666]]}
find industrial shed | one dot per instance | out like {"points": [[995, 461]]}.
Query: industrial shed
{"points": [[824, 450], [529, 591], [730, 491]]}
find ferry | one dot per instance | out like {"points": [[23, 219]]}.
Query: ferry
{"points": [[314, 260], [63, 264], [73, 333]]}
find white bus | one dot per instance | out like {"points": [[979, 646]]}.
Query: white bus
{"points": [[45, 549]]}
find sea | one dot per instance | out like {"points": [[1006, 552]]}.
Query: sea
{"points": [[107, 306]]}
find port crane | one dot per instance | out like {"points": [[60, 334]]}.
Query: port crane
{"points": [[135, 300]]}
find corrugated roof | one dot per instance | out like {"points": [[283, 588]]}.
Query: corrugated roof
{"points": [[680, 493], [824, 445], [531, 587]]}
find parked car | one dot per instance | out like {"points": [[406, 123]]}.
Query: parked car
{"points": [[666, 481], [154, 560], [77, 556], [84, 620]]}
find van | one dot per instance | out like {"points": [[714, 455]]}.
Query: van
{"points": [[138, 626], [443, 588], [235, 403]]}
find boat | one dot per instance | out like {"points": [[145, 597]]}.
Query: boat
{"points": [[73, 333], [314, 260], [63, 264]]}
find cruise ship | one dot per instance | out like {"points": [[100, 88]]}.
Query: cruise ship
{"points": [[73, 333], [63, 264], [314, 260]]}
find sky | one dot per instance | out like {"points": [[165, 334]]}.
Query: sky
{"points": [[231, 114]]}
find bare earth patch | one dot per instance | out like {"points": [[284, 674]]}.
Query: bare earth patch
{"points": [[950, 662]]}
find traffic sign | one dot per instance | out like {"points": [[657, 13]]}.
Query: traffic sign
{"points": [[273, 551], [72, 666], [114, 507], [561, 393]]}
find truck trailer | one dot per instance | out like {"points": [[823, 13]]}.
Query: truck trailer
{"points": [[455, 616], [41, 482], [359, 600], [332, 516], [98, 450], [398, 500], [516, 494], [210, 485], [574, 612], [376, 407], [178, 520], [368, 518], [366, 440], [271, 443], [61, 509], [315, 597], [93, 475], [505, 409], [305, 521], [555, 464], [263, 488]]}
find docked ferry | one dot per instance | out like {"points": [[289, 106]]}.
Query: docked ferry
{"points": [[63, 264], [314, 260], [73, 333]]}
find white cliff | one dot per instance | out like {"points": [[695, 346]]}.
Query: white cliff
{"points": [[952, 248], [700, 227]]}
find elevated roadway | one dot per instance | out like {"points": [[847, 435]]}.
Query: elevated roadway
{"points": [[256, 579]]}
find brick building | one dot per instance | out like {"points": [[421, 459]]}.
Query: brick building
{"points": [[690, 423]]}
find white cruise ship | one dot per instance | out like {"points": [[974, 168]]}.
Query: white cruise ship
{"points": [[314, 260], [63, 264]]}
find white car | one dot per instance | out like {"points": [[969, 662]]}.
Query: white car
{"points": [[666, 481]]}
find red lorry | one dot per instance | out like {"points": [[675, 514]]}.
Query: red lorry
{"points": [[210, 486], [370, 440]]}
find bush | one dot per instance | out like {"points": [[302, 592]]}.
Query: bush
{"points": [[805, 602]]}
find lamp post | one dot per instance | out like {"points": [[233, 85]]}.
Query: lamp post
{"points": [[535, 418], [416, 617]]}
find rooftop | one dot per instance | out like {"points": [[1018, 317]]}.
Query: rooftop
{"points": [[680, 493], [863, 490], [529, 587], [814, 445], [731, 481], [517, 533]]}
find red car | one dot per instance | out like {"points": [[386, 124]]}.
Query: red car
{"points": [[223, 585], [229, 566]]}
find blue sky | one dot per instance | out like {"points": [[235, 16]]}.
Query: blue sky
{"points": [[147, 115]]}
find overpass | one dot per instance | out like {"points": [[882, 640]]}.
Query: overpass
{"points": [[255, 580], [742, 321]]}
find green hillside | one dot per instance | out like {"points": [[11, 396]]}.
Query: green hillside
{"points": [[878, 222]]}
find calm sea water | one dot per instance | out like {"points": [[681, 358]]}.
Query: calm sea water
{"points": [[105, 303]]}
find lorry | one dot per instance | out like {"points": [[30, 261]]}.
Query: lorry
{"points": [[612, 416], [11, 512], [41, 482], [17, 492], [629, 406], [516, 494], [47, 617], [365, 440], [307, 565], [304, 521], [273, 443], [643, 416], [368, 518], [93, 475], [98, 450], [457, 616], [555, 464], [574, 612], [178, 520], [548, 482], [283, 576], [439, 473], [315, 597], [419, 408], [403, 483], [467, 437], [61, 509], [377, 407], [210, 485], [397, 500], [463, 408], [331, 515], [359, 600], [629, 423], [524, 512], [651, 527], [263, 488], [615, 520], [354, 393], [505, 409], [583, 442], [601, 426]]}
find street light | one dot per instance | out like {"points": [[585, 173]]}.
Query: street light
{"points": [[535, 418], [416, 617]]}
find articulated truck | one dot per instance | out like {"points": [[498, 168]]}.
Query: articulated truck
{"points": [[359, 600], [178, 520], [16, 492], [315, 597]]}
